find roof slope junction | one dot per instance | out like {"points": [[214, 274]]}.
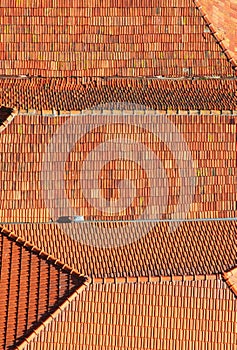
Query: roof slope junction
{"points": [[34, 288], [193, 248], [231, 279], [223, 17]]}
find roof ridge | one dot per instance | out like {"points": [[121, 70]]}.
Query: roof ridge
{"points": [[216, 35], [230, 278], [70, 113], [154, 279], [41, 253], [43, 324]]}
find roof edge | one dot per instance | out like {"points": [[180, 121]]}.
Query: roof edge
{"points": [[9, 119], [84, 281], [73, 113], [216, 35], [155, 279]]}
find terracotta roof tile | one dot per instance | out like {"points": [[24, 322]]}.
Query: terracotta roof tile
{"points": [[121, 39], [30, 177], [194, 248], [73, 95], [179, 315], [34, 286]]}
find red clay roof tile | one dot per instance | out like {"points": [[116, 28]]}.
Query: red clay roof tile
{"points": [[30, 173], [179, 315], [33, 287], [114, 39], [73, 95], [194, 248]]}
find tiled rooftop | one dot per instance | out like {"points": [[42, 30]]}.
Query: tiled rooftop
{"points": [[77, 38], [180, 315], [163, 76], [75, 94], [193, 248], [32, 177], [33, 286]]}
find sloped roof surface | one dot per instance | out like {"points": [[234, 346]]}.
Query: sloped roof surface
{"points": [[42, 178], [192, 248], [190, 315], [108, 38], [223, 16], [32, 286], [72, 94]]}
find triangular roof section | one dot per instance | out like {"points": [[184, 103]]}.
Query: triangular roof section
{"points": [[222, 14], [34, 287], [231, 279], [131, 38]]}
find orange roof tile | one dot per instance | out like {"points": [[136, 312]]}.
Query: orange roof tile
{"points": [[34, 288], [113, 39], [179, 315], [192, 176], [157, 283], [75, 94], [193, 248]]}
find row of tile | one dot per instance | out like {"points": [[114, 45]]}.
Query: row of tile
{"points": [[72, 94], [203, 56], [115, 249], [146, 316], [103, 190]]}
